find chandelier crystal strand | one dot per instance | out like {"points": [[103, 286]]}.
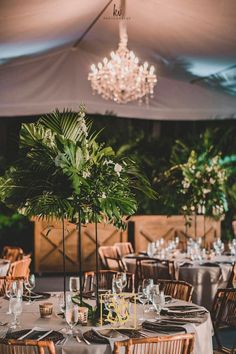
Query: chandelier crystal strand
{"points": [[121, 78]]}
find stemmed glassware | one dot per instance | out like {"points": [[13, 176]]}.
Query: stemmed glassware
{"points": [[10, 292], [143, 298], [74, 285], [29, 285], [71, 316], [158, 301], [121, 280], [15, 306], [151, 249]]}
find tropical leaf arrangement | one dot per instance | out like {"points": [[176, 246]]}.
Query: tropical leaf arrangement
{"points": [[63, 172], [200, 184]]}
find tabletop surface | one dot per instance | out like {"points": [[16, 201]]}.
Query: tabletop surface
{"points": [[30, 318]]}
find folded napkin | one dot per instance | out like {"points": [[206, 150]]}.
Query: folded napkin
{"points": [[162, 326], [110, 335]]}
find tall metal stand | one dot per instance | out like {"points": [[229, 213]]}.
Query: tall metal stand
{"points": [[97, 267], [80, 257], [64, 260]]}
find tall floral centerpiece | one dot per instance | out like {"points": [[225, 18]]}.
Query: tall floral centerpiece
{"points": [[63, 172], [200, 184]]}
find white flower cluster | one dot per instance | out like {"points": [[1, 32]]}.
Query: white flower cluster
{"points": [[117, 167]]}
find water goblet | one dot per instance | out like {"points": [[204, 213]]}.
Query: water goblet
{"points": [[15, 306], [143, 298], [156, 301], [71, 316], [29, 285]]}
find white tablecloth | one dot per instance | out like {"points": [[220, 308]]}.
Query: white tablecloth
{"points": [[30, 318], [205, 278]]}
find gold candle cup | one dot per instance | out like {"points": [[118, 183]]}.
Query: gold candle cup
{"points": [[46, 310]]}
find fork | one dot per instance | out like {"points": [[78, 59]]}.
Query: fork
{"points": [[81, 336]]}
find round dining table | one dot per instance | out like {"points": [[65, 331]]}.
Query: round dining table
{"points": [[206, 276], [30, 317]]}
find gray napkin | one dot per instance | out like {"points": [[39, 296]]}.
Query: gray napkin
{"points": [[120, 337]]}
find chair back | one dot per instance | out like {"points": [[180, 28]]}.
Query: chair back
{"points": [[110, 259], [232, 277], [6, 281], [124, 248], [12, 253], [155, 269], [20, 268], [13, 346], [223, 314], [223, 311], [177, 344], [105, 280], [177, 289]]}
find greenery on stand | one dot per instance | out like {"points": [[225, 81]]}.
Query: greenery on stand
{"points": [[61, 168]]}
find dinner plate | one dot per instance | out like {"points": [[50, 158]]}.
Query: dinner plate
{"points": [[53, 336], [37, 296], [93, 337]]}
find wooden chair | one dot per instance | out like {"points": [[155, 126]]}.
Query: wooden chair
{"points": [[20, 268], [152, 268], [13, 346], [232, 277], [223, 315], [176, 344], [110, 259], [177, 289], [124, 248], [12, 253], [6, 281], [105, 280]]}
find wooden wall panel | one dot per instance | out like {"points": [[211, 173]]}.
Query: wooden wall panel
{"points": [[48, 245], [149, 228]]}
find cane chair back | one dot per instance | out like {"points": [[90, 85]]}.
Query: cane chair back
{"points": [[110, 259], [155, 269], [232, 278], [12, 254], [12, 346], [6, 281], [177, 344], [124, 248], [223, 312], [20, 268], [177, 289], [105, 280]]}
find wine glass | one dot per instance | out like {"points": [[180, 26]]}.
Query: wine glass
{"points": [[71, 316], [121, 280], [143, 298], [156, 301], [29, 285], [15, 306], [150, 249], [74, 285], [10, 291]]}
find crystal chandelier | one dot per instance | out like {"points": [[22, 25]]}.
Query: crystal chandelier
{"points": [[121, 78]]}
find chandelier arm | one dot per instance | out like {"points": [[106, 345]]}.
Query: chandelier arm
{"points": [[75, 45]]}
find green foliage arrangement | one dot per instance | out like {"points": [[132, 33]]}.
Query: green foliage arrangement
{"points": [[201, 182], [63, 169]]}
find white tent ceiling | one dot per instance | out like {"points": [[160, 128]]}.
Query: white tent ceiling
{"points": [[191, 43]]}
